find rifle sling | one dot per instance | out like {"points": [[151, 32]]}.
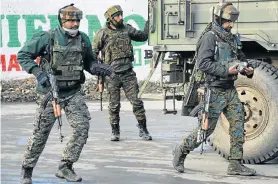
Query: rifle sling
{"points": [[46, 99]]}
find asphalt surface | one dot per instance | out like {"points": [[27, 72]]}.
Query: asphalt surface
{"points": [[132, 160]]}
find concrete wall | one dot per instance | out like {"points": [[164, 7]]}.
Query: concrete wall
{"points": [[20, 19]]}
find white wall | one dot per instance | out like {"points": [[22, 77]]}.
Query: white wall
{"points": [[16, 27]]}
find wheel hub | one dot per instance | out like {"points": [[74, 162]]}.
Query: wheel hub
{"points": [[256, 112]]}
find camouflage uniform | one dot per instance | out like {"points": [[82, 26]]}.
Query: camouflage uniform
{"points": [[78, 117], [66, 57], [226, 101], [117, 51], [217, 51]]}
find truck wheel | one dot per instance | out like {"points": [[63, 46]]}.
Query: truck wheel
{"points": [[260, 98]]}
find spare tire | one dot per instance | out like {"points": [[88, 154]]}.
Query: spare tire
{"points": [[260, 98]]}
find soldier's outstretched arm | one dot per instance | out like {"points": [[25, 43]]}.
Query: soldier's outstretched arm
{"points": [[89, 57], [32, 49], [94, 68], [138, 35], [101, 69]]}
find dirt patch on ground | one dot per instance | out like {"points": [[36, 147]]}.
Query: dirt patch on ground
{"points": [[24, 90]]}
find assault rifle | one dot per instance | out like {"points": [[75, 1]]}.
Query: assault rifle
{"points": [[202, 132], [55, 102]]}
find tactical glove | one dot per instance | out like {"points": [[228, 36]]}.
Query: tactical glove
{"points": [[102, 70], [41, 76]]}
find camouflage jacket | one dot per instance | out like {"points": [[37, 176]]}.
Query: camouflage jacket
{"points": [[115, 45], [207, 63]]}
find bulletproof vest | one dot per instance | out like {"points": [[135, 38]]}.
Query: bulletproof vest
{"points": [[66, 62], [225, 55], [118, 45]]}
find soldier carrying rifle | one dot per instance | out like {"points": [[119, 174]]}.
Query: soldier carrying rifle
{"points": [[65, 53], [220, 58]]}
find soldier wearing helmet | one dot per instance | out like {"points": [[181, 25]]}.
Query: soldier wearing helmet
{"points": [[225, 12], [114, 44], [69, 18], [65, 52], [113, 12], [218, 56]]}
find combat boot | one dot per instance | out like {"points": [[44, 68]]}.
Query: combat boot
{"points": [[179, 157], [235, 167], [143, 131], [65, 171], [115, 136], [26, 175]]}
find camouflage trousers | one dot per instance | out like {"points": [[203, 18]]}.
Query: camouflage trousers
{"points": [[78, 117], [228, 102], [128, 82]]}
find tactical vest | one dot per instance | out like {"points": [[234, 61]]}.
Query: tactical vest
{"points": [[225, 55], [67, 61], [118, 45]]}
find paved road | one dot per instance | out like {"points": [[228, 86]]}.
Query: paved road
{"points": [[131, 160]]}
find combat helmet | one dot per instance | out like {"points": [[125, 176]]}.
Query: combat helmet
{"points": [[112, 12], [69, 12], [226, 11]]}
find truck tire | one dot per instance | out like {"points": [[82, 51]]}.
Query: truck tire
{"points": [[260, 98]]}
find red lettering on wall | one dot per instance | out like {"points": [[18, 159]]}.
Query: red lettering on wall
{"points": [[3, 62], [9, 63], [13, 63]]}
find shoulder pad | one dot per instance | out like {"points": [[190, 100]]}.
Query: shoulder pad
{"points": [[211, 34], [101, 31]]}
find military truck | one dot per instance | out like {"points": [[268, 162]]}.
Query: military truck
{"points": [[174, 29]]}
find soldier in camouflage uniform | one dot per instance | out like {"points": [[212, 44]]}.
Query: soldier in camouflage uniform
{"points": [[114, 43], [65, 52], [218, 55]]}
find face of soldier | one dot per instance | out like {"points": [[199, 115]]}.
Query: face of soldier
{"points": [[119, 19], [72, 24], [71, 27], [228, 26]]}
